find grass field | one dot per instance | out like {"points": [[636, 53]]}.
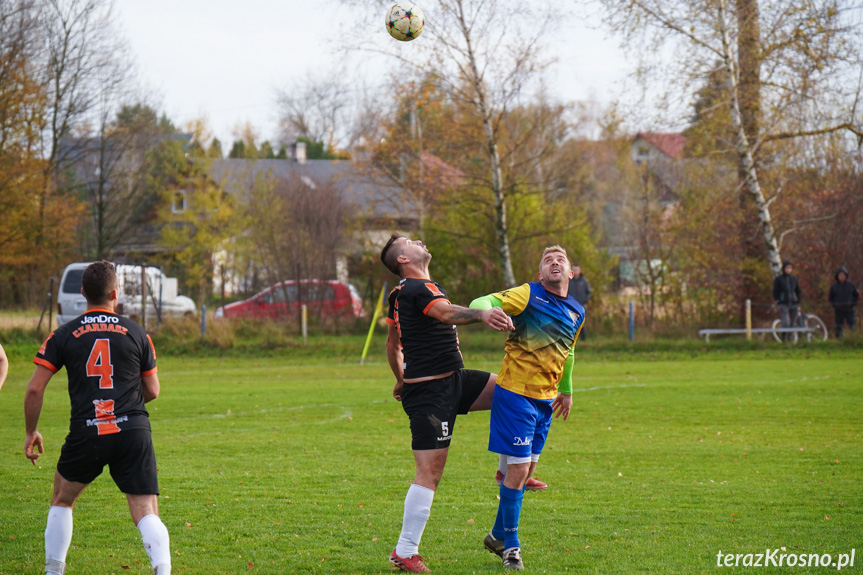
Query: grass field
{"points": [[299, 463]]}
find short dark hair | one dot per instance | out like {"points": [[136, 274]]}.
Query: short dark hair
{"points": [[97, 281], [390, 255]]}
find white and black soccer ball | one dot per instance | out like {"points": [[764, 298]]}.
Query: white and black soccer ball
{"points": [[405, 21]]}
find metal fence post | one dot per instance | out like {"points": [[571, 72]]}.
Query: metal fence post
{"points": [[749, 319], [631, 321]]}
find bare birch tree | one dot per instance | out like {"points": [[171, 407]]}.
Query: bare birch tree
{"points": [[791, 70], [489, 55]]}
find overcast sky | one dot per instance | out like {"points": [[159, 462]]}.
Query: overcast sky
{"points": [[225, 60]]}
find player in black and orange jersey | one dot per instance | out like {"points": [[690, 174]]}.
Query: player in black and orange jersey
{"points": [[111, 365], [431, 382]]}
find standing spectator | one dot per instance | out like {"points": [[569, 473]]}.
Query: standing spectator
{"points": [[844, 296], [579, 288], [786, 294]]}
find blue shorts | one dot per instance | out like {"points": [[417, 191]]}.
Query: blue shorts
{"points": [[519, 425]]}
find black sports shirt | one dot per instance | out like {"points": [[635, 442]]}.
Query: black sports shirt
{"points": [[105, 356], [430, 347]]}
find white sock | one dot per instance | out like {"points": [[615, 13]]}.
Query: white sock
{"points": [[154, 534], [58, 537], [501, 463], [418, 503]]}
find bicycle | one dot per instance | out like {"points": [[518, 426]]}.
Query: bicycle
{"points": [[815, 327]]}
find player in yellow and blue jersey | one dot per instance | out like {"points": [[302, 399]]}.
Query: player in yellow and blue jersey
{"points": [[534, 384]]}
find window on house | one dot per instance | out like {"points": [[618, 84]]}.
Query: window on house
{"points": [[179, 205]]}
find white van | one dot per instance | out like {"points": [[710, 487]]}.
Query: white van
{"points": [[161, 291]]}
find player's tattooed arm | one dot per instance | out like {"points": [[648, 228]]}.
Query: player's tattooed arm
{"points": [[465, 314], [494, 318]]}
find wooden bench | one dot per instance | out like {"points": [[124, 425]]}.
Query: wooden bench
{"points": [[706, 333]]}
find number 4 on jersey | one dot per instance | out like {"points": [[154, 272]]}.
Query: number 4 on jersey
{"points": [[99, 364]]}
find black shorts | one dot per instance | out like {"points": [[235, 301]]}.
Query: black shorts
{"points": [[432, 406], [129, 455]]}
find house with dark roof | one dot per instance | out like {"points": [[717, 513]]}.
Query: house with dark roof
{"points": [[371, 198]]}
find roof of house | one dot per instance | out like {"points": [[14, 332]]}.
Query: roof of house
{"points": [[440, 172], [369, 194], [670, 144]]}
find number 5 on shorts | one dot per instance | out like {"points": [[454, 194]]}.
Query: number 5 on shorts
{"points": [[99, 364]]}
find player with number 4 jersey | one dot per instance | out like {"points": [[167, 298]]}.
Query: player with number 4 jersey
{"points": [[111, 366], [105, 356]]}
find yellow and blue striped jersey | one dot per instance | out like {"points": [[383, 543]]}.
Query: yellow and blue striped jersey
{"points": [[546, 328]]}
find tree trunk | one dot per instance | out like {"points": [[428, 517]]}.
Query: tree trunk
{"points": [[749, 61], [501, 229], [746, 163], [749, 94], [500, 224]]}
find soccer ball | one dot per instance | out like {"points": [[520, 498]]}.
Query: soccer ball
{"points": [[405, 21]]}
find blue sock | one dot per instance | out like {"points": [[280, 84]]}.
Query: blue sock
{"points": [[510, 509], [497, 530]]}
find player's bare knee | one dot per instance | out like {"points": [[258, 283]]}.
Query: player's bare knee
{"points": [[429, 477], [142, 505], [430, 469], [65, 492], [517, 475]]}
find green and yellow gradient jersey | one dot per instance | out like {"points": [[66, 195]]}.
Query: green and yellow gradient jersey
{"points": [[539, 350]]}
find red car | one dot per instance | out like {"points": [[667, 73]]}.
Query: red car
{"points": [[329, 298]]}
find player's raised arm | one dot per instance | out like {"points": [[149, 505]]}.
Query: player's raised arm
{"points": [[494, 318], [486, 302]]}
